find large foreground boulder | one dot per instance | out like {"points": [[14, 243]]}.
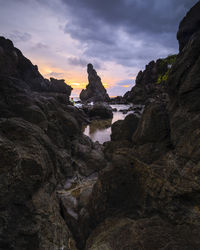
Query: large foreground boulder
{"points": [[95, 91], [149, 233], [124, 129]]}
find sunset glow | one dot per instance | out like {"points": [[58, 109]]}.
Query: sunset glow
{"points": [[65, 43]]}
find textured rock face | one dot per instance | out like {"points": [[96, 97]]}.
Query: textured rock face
{"points": [[124, 129], [151, 83], [35, 158], [146, 196], [98, 111], [188, 26], [95, 91], [158, 172], [41, 147], [14, 64], [153, 233], [59, 86]]}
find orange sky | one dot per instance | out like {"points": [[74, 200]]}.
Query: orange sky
{"points": [[76, 79]]}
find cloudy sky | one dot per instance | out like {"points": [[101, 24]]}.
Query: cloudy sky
{"points": [[117, 36]]}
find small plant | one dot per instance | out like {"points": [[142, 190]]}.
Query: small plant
{"points": [[170, 60], [162, 78]]}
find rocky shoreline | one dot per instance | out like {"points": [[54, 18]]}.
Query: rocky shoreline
{"points": [[60, 190]]}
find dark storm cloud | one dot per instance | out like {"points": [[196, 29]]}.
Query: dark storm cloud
{"points": [[76, 61], [146, 15], [108, 27]]}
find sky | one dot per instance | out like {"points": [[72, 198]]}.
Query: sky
{"points": [[119, 37]]}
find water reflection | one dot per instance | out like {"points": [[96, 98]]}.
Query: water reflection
{"points": [[100, 130], [99, 125]]}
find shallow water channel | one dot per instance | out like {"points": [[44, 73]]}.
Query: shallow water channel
{"points": [[100, 130]]}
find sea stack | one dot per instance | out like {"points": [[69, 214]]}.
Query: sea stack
{"points": [[95, 91]]}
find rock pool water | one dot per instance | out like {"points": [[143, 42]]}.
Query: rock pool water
{"points": [[100, 130]]}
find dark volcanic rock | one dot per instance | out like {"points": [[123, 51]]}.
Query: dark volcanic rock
{"points": [[188, 26], [149, 233], [98, 111], [146, 196], [124, 129], [159, 173], [59, 86], [14, 64], [117, 100], [151, 83], [184, 92], [95, 91], [39, 137], [153, 125]]}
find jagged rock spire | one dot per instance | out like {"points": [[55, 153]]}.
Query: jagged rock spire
{"points": [[95, 90]]}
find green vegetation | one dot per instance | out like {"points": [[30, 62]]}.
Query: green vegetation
{"points": [[170, 60]]}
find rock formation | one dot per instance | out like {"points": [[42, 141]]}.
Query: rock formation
{"points": [[151, 188], [15, 65], [59, 190], [151, 83], [189, 26], [98, 111], [95, 91], [41, 147]]}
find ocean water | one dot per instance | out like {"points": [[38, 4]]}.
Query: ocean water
{"points": [[100, 130]]}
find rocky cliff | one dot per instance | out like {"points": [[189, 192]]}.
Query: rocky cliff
{"points": [[141, 190], [148, 198], [41, 148], [151, 83], [95, 91]]}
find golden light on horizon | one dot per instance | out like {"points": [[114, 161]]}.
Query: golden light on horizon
{"points": [[105, 85], [76, 85], [76, 79], [126, 86]]}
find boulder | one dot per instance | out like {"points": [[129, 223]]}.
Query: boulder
{"points": [[98, 111], [153, 125], [95, 91], [30, 212], [148, 233], [124, 129]]}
